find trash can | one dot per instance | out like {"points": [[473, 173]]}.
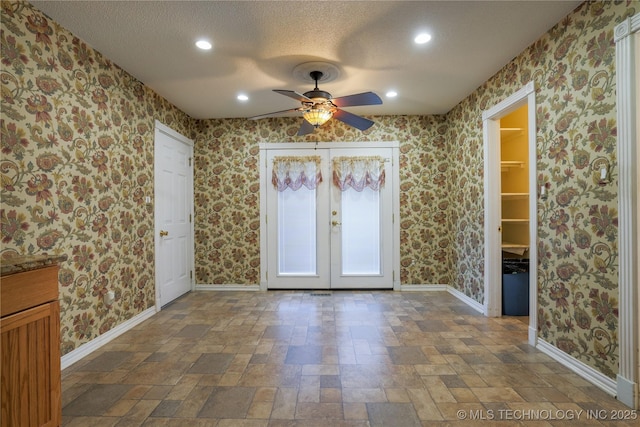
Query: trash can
{"points": [[515, 286]]}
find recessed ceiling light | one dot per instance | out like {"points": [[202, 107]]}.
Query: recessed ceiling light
{"points": [[422, 38], [242, 97], [392, 94], [203, 44]]}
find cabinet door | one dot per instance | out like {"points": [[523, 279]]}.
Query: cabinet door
{"points": [[30, 383]]}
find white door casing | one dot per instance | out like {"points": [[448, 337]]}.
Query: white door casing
{"points": [[328, 204], [627, 40], [174, 234], [493, 241]]}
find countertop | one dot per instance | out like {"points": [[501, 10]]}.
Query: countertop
{"points": [[20, 264]]}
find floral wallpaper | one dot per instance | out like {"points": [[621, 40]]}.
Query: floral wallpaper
{"points": [[77, 161], [573, 68], [227, 197]]}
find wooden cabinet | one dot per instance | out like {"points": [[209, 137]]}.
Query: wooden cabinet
{"points": [[30, 348]]}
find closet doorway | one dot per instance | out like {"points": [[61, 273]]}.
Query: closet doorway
{"points": [[510, 206], [329, 216]]}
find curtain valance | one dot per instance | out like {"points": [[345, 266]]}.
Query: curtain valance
{"points": [[294, 172], [358, 172]]}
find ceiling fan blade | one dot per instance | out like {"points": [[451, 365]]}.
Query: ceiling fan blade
{"points": [[365, 98], [262, 116], [293, 94], [353, 120], [305, 128]]}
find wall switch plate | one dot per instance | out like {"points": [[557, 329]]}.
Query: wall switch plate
{"points": [[109, 298]]}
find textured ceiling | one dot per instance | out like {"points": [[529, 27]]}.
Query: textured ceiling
{"points": [[257, 44]]}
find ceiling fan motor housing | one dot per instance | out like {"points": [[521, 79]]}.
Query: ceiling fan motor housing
{"points": [[318, 95]]}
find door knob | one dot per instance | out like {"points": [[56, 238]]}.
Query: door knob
{"points": [[334, 223], [163, 233]]}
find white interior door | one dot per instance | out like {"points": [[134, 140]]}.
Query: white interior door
{"points": [[323, 237], [173, 214]]}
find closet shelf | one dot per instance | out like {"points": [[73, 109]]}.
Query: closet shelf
{"points": [[509, 245], [515, 248], [506, 164], [508, 133], [514, 196]]}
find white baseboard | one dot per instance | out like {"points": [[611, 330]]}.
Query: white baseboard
{"points": [[467, 300], [533, 336], [595, 377], [441, 287], [88, 348], [422, 288], [227, 287], [627, 392]]}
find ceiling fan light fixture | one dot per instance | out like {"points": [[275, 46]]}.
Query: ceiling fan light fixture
{"points": [[317, 115], [319, 106]]}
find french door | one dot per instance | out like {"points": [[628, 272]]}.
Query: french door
{"points": [[329, 218]]}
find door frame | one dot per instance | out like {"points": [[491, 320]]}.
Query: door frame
{"points": [[627, 40], [265, 181], [492, 205], [162, 128]]}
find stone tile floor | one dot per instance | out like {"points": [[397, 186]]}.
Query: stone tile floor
{"points": [[342, 358]]}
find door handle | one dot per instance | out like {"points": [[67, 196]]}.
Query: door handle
{"points": [[334, 223], [163, 233]]}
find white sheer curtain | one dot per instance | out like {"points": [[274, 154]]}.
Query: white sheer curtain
{"points": [[297, 213], [358, 172], [295, 172]]}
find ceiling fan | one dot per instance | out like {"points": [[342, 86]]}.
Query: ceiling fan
{"points": [[318, 107]]}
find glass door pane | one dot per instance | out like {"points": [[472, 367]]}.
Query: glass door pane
{"points": [[297, 232], [360, 232]]}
